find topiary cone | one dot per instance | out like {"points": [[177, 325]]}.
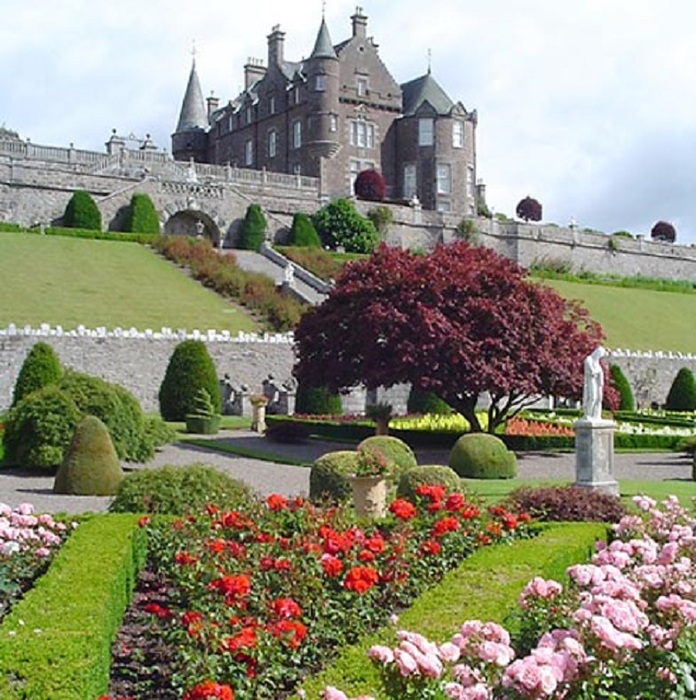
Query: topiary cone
{"points": [[90, 466]]}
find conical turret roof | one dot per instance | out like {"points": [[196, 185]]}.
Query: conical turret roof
{"points": [[323, 48], [193, 113]]}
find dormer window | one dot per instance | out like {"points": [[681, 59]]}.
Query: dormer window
{"points": [[363, 87], [272, 104], [320, 82]]}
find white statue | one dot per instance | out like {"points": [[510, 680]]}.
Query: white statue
{"points": [[593, 388], [289, 274]]}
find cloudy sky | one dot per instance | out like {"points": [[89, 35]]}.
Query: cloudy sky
{"points": [[588, 106]]}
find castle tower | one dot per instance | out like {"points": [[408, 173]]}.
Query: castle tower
{"points": [[190, 140]]}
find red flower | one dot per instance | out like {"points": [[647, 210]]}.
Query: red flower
{"points": [[292, 631], [234, 519], [144, 521], [215, 546], [331, 565], [209, 690], [282, 565], [237, 550], [366, 556], [246, 639], [360, 579], [430, 547], [193, 621], [375, 544], [442, 527], [158, 610], [232, 587], [434, 492], [509, 521], [286, 608], [403, 509], [276, 502], [455, 502], [185, 559], [470, 512]]}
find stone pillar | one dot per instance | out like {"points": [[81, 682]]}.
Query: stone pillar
{"points": [[594, 455]]}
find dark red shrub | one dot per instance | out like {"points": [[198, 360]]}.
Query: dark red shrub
{"points": [[663, 231], [529, 209], [370, 185]]}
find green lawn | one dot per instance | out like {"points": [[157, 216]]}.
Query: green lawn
{"points": [[70, 281], [637, 319]]}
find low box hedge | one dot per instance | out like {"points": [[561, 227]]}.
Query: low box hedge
{"points": [[56, 642]]}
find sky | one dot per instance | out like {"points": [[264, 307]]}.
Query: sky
{"points": [[589, 107]]}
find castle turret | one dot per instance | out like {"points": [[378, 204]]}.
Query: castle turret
{"points": [[190, 140]]}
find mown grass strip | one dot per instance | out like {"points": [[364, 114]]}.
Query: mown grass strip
{"points": [[56, 642], [485, 586], [239, 451]]}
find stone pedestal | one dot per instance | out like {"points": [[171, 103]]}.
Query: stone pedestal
{"points": [[258, 419], [594, 455], [369, 495]]}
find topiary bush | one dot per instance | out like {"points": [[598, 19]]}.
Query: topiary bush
{"points": [[202, 419], [39, 429], [82, 212], [566, 503], [664, 232], [178, 490], [395, 451], [370, 185], [482, 456], [303, 233], [142, 216], [90, 466], [328, 477], [425, 402], [340, 224], [432, 474], [529, 209], [41, 368], [190, 369], [317, 401], [682, 393], [620, 383], [254, 228]]}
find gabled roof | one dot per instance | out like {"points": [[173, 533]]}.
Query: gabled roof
{"points": [[425, 89], [193, 114], [323, 48]]}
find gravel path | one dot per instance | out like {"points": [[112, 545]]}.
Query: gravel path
{"points": [[17, 486]]}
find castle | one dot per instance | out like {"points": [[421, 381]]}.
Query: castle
{"points": [[333, 115]]}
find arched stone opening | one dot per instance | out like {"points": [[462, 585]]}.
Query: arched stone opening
{"points": [[193, 223]]}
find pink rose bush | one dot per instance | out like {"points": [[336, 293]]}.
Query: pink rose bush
{"points": [[624, 626]]}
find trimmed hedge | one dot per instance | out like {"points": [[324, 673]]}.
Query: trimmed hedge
{"points": [[82, 212], [41, 368], [303, 233], [78, 610], [618, 379], [682, 393], [142, 215], [253, 228], [485, 586], [482, 456]]}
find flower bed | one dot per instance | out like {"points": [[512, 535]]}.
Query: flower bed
{"points": [[258, 599], [623, 627]]}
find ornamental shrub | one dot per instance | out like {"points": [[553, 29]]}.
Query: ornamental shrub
{"points": [[328, 477], [370, 185], [82, 212], [663, 231], [529, 209], [482, 456], [399, 455], [340, 224], [41, 367], [253, 228], [317, 401], [425, 402], [682, 393], [431, 474], [190, 368], [177, 490], [620, 383], [90, 466], [142, 216], [566, 503], [302, 233], [39, 428], [381, 217]]}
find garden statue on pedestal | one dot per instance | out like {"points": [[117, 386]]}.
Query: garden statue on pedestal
{"points": [[593, 388]]}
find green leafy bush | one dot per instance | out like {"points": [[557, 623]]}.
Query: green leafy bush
{"points": [[90, 466], [142, 216], [39, 428], [190, 369], [317, 401], [618, 379], [432, 474], [253, 228], [178, 490], [425, 402], [157, 432], [303, 232], [328, 477], [482, 456], [82, 212], [682, 393], [381, 217], [41, 368], [396, 452], [340, 224]]}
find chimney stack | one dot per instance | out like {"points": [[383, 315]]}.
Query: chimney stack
{"points": [[359, 23], [213, 103], [276, 41], [254, 70]]}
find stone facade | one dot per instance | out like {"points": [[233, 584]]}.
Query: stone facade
{"points": [[333, 115]]}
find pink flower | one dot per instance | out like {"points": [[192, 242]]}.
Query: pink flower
{"points": [[450, 652], [331, 693], [381, 653], [406, 663]]}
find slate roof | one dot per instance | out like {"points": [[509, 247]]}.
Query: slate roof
{"points": [[323, 48], [193, 112], [425, 89]]}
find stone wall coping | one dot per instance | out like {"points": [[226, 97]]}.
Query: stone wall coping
{"points": [[657, 354], [210, 335]]}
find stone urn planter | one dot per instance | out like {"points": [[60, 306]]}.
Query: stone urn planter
{"points": [[258, 413], [369, 495]]}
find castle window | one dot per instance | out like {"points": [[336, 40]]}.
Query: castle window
{"points": [[444, 179], [320, 82], [296, 95], [272, 104], [470, 182], [297, 134], [272, 143], [410, 181], [443, 206], [458, 134], [362, 134], [333, 122], [363, 87], [354, 170], [230, 123], [249, 152], [425, 132], [249, 114]]}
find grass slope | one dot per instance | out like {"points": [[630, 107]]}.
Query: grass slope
{"points": [[68, 282], [637, 319]]}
